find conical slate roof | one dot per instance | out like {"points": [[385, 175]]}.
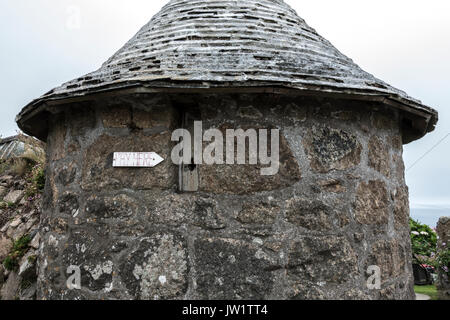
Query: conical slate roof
{"points": [[225, 43]]}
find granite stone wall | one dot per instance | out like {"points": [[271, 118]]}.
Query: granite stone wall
{"points": [[338, 205], [443, 283]]}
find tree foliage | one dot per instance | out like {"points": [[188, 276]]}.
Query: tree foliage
{"points": [[424, 241]]}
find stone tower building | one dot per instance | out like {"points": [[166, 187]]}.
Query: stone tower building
{"points": [[337, 205]]}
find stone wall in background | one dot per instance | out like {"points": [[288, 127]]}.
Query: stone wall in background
{"points": [[21, 146], [338, 205], [21, 183], [443, 283]]}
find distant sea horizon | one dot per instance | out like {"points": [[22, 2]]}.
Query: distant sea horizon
{"points": [[429, 216]]}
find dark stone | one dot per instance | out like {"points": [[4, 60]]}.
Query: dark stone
{"points": [[69, 204], [116, 117], [207, 215], [56, 139], [311, 215], [332, 185], [92, 256], [82, 120], [258, 213], [332, 149], [66, 175], [158, 268], [322, 259], [232, 269], [120, 206]]}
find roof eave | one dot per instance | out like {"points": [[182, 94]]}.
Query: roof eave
{"points": [[421, 118]]}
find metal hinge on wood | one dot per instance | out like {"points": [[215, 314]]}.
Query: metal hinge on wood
{"points": [[188, 172]]}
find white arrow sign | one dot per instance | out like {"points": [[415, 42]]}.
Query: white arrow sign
{"points": [[136, 159]]}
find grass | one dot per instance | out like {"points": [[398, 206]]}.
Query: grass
{"points": [[20, 166], [11, 205], [36, 181], [19, 249], [33, 157], [4, 166], [427, 290]]}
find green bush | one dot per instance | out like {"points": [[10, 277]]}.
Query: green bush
{"points": [[423, 241], [4, 166], [22, 243], [10, 263], [10, 205], [19, 249], [36, 181], [39, 178]]}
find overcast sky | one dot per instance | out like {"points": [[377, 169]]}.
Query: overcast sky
{"points": [[404, 42]]}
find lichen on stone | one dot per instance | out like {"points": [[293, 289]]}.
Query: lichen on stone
{"points": [[158, 267]]}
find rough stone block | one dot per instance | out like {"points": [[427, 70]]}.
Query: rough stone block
{"points": [[10, 290], [3, 192], [36, 241], [14, 196], [258, 213], [397, 143], [318, 264], [56, 139], [332, 149], [323, 258], [207, 215], [399, 168], [91, 254], [157, 268], [168, 208], [158, 117], [98, 172], [311, 215], [242, 179], [2, 275], [390, 256], [116, 117], [118, 207], [379, 156], [83, 119], [68, 203], [443, 230], [443, 283], [372, 203], [401, 208], [5, 248], [65, 174], [383, 121], [332, 185], [232, 269]]}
